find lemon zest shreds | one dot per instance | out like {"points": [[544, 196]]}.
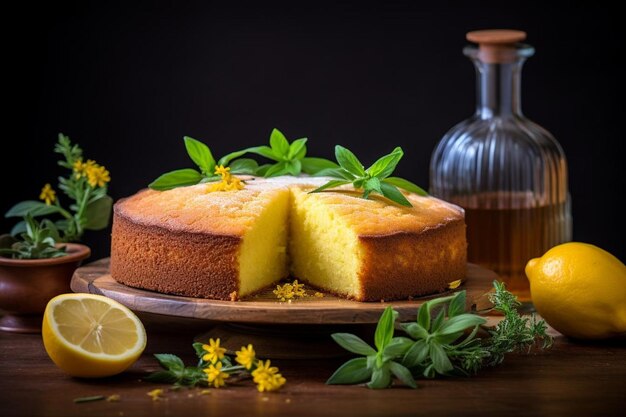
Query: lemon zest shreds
{"points": [[228, 181], [156, 394]]}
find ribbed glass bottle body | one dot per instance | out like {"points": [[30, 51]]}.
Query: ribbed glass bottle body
{"points": [[508, 173]]}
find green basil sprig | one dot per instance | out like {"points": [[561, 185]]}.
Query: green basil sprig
{"points": [[201, 155], [443, 341], [376, 178], [289, 158], [376, 365]]}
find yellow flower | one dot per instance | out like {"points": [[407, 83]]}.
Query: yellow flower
{"points": [[289, 291], [222, 170], [246, 356], [214, 351], [267, 377], [215, 375], [156, 394], [48, 194], [81, 168], [97, 175]]}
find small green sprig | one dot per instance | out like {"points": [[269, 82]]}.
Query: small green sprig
{"points": [[289, 158], [214, 368], [378, 365], [86, 185], [38, 241], [443, 341], [202, 156], [376, 178]]}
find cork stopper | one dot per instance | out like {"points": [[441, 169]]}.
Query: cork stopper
{"points": [[496, 46]]}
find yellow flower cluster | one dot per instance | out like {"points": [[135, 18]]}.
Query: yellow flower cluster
{"points": [[267, 377], [214, 351], [246, 356], [215, 375], [264, 375], [290, 291], [227, 183], [96, 175], [48, 194]]}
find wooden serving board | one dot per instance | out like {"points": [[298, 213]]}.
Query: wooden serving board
{"points": [[264, 308]]}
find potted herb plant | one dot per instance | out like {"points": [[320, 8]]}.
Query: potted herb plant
{"points": [[37, 259]]}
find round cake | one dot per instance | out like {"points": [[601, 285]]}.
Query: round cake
{"points": [[230, 244]]}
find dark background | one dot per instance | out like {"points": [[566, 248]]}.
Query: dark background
{"points": [[127, 82]]}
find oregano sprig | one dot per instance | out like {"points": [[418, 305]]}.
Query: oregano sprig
{"points": [[376, 178], [443, 341]]}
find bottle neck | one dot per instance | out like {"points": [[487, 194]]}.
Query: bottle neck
{"points": [[498, 89]]}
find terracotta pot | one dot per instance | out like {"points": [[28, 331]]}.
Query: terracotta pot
{"points": [[26, 286]]}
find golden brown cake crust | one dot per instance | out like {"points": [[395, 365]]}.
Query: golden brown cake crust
{"points": [[402, 264], [186, 242], [183, 263]]}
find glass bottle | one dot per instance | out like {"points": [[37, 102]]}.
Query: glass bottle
{"points": [[507, 172]]}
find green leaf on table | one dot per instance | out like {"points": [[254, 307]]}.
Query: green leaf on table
{"points": [[457, 305], [384, 328], [98, 213], [397, 347], [177, 178], [353, 344], [162, 377], [402, 373], [414, 330], [416, 354], [381, 378], [294, 167], [170, 362], [460, 323], [353, 371], [440, 359], [200, 154], [423, 316]]}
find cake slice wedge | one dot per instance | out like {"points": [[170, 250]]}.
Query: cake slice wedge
{"points": [[371, 250]]}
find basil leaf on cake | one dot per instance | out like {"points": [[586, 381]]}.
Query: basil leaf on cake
{"points": [[369, 236]]}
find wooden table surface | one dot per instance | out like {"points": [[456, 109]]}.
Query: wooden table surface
{"points": [[570, 379]]}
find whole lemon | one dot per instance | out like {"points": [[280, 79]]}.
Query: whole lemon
{"points": [[580, 290]]}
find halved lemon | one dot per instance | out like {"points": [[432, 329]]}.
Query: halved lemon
{"points": [[90, 335]]}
